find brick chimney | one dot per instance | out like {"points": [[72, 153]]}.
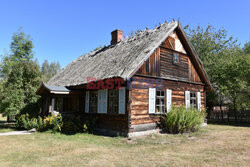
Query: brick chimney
{"points": [[116, 36]]}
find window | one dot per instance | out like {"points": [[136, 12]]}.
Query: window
{"points": [[58, 104], [175, 58], [113, 101], [160, 101], [66, 104], [193, 100], [79, 104], [93, 101]]}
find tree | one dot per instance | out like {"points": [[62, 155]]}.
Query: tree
{"points": [[50, 70], [54, 68], [22, 76], [21, 50], [45, 70], [20, 87], [223, 60], [246, 48], [13, 95], [243, 99], [210, 43], [232, 75]]}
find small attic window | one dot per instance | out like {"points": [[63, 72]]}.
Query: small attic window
{"points": [[175, 58]]}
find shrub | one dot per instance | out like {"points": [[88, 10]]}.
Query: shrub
{"points": [[24, 122], [53, 122], [78, 124], [70, 125], [180, 120], [56, 123], [89, 124], [40, 125]]}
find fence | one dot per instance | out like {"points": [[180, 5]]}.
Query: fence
{"points": [[228, 115]]}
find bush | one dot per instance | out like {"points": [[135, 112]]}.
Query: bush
{"points": [[180, 120], [78, 124], [40, 125], [89, 125], [71, 125], [53, 122], [24, 122]]}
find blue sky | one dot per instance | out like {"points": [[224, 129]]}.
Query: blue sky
{"points": [[63, 30]]}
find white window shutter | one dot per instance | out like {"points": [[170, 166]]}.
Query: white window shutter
{"points": [[169, 99], [87, 102], [151, 100], [99, 109], [105, 100], [199, 100], [122, 100], [187, 99]]}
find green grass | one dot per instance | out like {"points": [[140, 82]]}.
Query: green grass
{"points": [[4, 130], [214, 145]]}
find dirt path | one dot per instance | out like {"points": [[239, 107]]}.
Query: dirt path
{"points": [[17, 133]]}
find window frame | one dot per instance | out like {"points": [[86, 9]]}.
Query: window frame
{"points": [[178, 58], [161, 98], [110, 111], [93, 104], [58, 104], [193, 100]]}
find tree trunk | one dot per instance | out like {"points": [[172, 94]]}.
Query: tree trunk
{"points": [[221, 111], [235, 112], [209, 111]]}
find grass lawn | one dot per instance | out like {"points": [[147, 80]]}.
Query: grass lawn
{"points": [[214, 145], [4, 130]]}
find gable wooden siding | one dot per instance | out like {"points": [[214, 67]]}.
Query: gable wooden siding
{"points": [[160, 63], [152, 65], [193, 75], [171, 70]]}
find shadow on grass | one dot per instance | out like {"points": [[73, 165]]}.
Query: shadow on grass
{"points": [[230, 123], [94, 133], [6, 125], [3, 122]]}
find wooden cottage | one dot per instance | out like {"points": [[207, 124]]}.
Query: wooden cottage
{"points": [[129, 83]]}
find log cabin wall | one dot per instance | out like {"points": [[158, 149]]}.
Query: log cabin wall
{"points": [[160, 63], [179, 77], [113, 124], [74, 104], [106, 123], [139, 97]]}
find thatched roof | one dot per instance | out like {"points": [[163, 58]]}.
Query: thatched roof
{"points": [[120, 60]]}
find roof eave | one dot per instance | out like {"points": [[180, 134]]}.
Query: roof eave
{"points": [[196, 58], [45, 87]]}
